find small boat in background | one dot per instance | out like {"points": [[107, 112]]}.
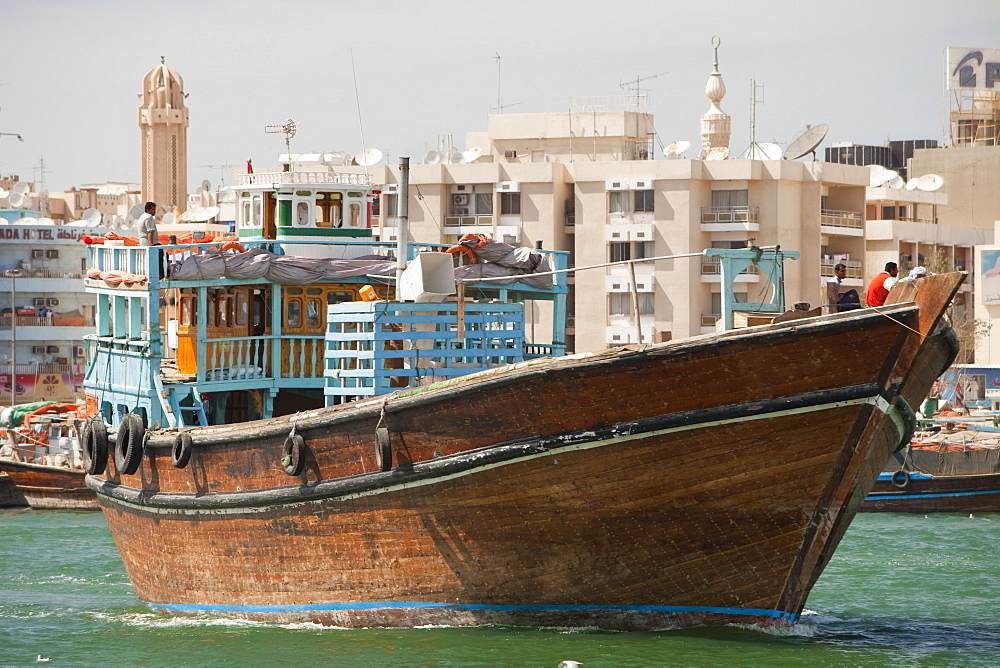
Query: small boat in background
{"points": [[957, 475], [42, 456]]}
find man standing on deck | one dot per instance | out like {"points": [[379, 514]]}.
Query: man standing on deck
{"points": [[147, 226], [878, 289]]}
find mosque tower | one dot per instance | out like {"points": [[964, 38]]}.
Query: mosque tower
{"points": [[163, 120], [716, 125]]}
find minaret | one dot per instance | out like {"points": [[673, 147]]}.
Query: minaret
{"points": [[163, 120], [715, 124]]}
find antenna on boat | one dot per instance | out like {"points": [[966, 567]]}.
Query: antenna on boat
{"points": [[289, 129], [361, 125]]}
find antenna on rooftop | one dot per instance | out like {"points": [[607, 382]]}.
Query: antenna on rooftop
{"points": [[496, 57], [756, 150], [633, 86], [289, 128]]}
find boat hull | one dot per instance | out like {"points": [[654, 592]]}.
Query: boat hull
{"points": [[698, 482], [50, 487], [10, 497], [928, 480]]}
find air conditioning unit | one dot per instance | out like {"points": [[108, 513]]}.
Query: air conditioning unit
{"points": [[51, 350], [62, 360], [38, 301], [38, 350], [52, 254], [52, 301], [79, 351], [510, 154], [460, 200], [390, 189], [37, 253], [616, 185], [508, 187]]}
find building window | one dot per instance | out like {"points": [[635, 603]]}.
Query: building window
{"points": [[727, 199], [510, 204], [618, 201], [620, 303], [619, 251], [643, 201], [391, 205]]}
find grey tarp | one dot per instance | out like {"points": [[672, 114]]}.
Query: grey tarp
{"points": [[504, 260], [284, 269]]}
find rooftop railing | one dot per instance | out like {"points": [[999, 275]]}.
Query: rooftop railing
{"points": [[278, 178], [833, 218]]}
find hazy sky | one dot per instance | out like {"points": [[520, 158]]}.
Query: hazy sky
{"points": [[426, 68]]}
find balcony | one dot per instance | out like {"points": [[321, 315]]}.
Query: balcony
{"points": [[842, 223], [711, 272], [730, 219], [55, 320], [854, 268], [467, 221]]}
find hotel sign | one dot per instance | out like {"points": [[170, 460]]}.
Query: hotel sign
{"points": [[973, 69]]}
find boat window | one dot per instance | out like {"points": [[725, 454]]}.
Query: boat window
{"points": [[257, 218], [312, 313], [294, 291], [242, 308], [355, 220], [338, 296], [245, 220], [187, 308], [293, 313], [211, 311], [314, 291], [224, 304], [302, 214]]}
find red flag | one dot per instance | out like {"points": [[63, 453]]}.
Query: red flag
{"points": [[249, 166]]}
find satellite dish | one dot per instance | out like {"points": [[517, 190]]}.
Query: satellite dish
{"points": [[717, 153], [879, 175], [168, 218], [456, 158], [670, 151], [911, 184], [17, 200], [472, 154], [136, 211], [213, 210], [4, 193], [347, 160], [681, 146], [108, 219], [121, 222], [432, 157], [369, 157], [92, 216], [21, 188], [929, 182], [807, 141], [896, 182], [206, 185]]}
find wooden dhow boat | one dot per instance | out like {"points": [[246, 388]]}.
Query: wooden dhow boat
{"points": [[449, 478]]}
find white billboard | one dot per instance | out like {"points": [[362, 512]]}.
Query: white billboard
{"points": [[973, 69]]}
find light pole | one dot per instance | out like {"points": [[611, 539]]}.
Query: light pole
{"points": [[12, 134], [13, 274]]}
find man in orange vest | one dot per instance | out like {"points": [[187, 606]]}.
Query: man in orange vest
{"points": [[878, 289]]}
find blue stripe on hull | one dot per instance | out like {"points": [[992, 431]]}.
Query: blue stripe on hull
{"points": [[928, 495], [429, 605]]}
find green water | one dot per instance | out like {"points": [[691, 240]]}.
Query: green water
{"points": [[900, 591]]}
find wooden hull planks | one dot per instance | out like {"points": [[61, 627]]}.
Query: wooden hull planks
{"points": [[50, 487], [694, 482]]}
